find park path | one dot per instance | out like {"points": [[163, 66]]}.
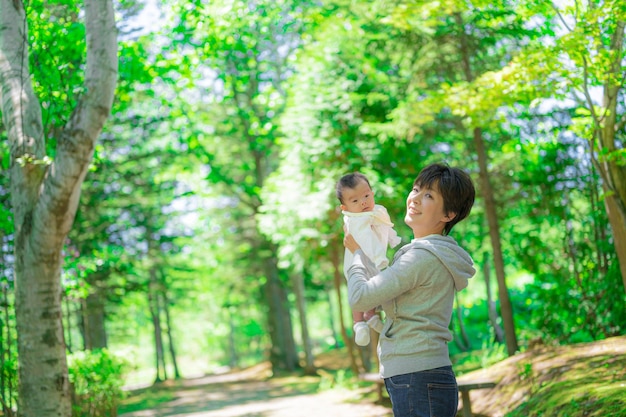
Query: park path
{"points": [[250, 394]]}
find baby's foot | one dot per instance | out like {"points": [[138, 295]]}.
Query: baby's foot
{"points": [[361, 333]]}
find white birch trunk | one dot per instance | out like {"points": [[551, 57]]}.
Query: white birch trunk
{"points": [[45, 195]]}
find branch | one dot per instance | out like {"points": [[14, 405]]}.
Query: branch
{"points": [[560, 16], [20, 108], [61, 191]]}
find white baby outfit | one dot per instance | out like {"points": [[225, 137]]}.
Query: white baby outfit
{"points": [[373, 231]]}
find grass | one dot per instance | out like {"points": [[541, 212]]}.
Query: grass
{"points": [[589, 386], [587, 379], [146, 399]]}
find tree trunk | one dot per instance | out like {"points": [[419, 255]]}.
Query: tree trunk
{"points": [[599, 230], [617, 218], [67, 326], [612, 170], [170, 338], [94, 332], [338, 280], [298, 289], [506, 308], [463, 333], [45, 195], [491, 305], [233, 358], [331, 320], [283, 356], [155, 314]]}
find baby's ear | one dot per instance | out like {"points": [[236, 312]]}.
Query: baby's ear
{"points": [[342, 207]]}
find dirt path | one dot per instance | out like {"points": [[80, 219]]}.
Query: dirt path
{"points": [[250, 394]]}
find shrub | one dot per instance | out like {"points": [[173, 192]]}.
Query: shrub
{"points": [[97, 378]]}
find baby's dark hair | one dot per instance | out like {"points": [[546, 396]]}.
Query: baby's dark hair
{"points": [[454, 185], [349, 181]]}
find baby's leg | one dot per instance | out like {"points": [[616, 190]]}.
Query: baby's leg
{"points": [[367, 315], [357, 316], [361, 329]]}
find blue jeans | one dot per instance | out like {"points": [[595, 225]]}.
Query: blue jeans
{"points": [[431, 393]]}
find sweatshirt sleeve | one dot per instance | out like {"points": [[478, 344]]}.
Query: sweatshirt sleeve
{"points": [[363, 266], [393, 238], [368, 288]]}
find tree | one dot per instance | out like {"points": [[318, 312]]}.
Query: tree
{"points": [[244, 58], [594, 44], [578, 63], [342, 87], [488, 195], [45, 191], [462, 42]]}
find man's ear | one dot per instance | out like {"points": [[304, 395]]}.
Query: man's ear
{"points": [[449, 217]]}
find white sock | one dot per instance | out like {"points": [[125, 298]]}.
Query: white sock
{"points": [[361, 333]]}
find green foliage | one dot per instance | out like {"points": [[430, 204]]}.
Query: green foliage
{"points": [[336, 378], [9, 380], [562, 210], [97, 378], [568, 310], [479, 358], [57, 61]]}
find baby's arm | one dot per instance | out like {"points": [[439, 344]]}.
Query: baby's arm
{"points": [[392, 238]]}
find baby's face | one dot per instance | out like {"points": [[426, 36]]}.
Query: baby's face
{"points": [[358, 199]]}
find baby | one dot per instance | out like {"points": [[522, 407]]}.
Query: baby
{"points": [[372, 228]]}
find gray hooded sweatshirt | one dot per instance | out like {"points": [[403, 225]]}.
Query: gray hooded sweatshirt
{"points": [[417, 295]]}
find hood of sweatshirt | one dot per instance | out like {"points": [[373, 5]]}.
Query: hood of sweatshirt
{"points": [[458, 262]]}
